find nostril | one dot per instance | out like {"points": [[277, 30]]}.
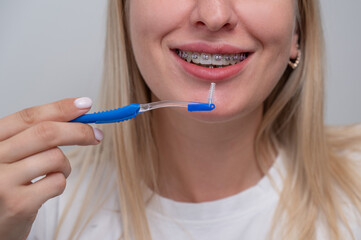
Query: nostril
{"points": [[227, 26], [214, 27], [200, 24]]}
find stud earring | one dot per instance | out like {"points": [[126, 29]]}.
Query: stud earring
{"points": [[294, 64]]}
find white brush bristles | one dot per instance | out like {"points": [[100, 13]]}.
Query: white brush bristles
{"points": [[211, 93]]}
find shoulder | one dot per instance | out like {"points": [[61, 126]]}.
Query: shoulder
{"points": [[89, 195], [345, 153], [44, 226], [351, 157], [47, 219], [345, 141]]}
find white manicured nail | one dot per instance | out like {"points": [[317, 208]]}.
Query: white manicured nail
{"points": [[83, 102], [99, 135]]}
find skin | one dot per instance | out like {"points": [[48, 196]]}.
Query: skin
{"points": [[206, 156], [29, 142]]}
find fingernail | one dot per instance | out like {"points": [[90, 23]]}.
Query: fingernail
{"points": [[99, 135], [83, 102]]}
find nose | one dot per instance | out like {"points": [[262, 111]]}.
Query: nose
{"points": [[214, 15]]}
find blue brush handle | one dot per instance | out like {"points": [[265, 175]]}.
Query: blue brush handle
{"points": [[110, 116]]}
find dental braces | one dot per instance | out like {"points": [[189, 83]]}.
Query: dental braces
{"points": [[230, 59]]}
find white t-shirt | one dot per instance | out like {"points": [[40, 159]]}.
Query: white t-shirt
{"points": [[246, 215]]}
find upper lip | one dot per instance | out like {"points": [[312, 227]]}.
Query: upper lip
{"points": [[220, 48]]}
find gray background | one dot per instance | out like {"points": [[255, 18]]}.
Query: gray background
{"points": [[54, 49]]}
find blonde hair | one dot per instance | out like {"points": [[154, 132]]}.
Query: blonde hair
{"points": [[317, 171]]}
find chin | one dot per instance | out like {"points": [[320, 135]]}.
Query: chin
{"points": [[219, 114]]}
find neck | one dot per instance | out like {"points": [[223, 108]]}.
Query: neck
{"points": [[205, 161]]}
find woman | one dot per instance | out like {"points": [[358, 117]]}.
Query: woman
{"points": [[262, 165]]}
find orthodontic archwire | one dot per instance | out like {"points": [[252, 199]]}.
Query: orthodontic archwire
{"points": [[132, 110]]}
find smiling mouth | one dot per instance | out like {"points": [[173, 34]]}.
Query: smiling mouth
{"points": [[212, 60]]}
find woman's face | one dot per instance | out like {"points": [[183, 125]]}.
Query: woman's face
{"points": [[225, 32]]}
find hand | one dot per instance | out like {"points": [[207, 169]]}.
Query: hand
{"points": [[29, 142]]}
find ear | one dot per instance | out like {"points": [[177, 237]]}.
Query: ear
{"points": [[294, 46]]}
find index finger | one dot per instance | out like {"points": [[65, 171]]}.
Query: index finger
{"points": [[62, 111]]}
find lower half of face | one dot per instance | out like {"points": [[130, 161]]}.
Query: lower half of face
{"points": [[262, 30]]}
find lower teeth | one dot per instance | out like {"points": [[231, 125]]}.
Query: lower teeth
{"points": [[211, 66]]}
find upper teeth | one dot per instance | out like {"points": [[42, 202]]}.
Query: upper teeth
{"points": [[211, 59]]}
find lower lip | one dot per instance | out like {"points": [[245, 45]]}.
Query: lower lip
{"points": [[212, 74]]}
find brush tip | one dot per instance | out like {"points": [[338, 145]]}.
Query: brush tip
{"points": [[211, 93]]}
